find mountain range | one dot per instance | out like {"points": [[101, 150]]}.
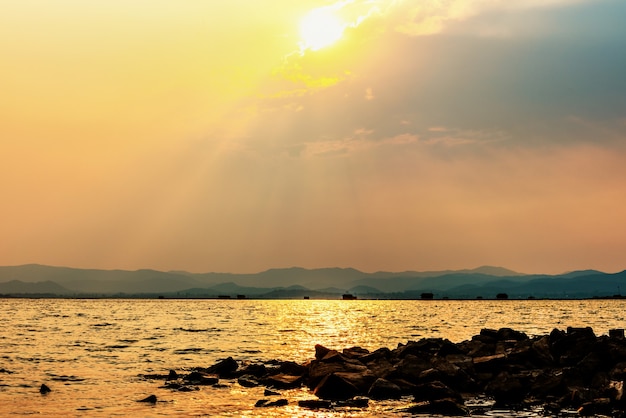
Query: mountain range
{"points": [[296, 282]]}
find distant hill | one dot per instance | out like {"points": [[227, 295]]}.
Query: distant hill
{"points": [[296, 282], [17, 287]]}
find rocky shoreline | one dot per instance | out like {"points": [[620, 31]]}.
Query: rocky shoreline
{"points": [[562, 371]]}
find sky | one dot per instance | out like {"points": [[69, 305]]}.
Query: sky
{"points": [[383, 135]]}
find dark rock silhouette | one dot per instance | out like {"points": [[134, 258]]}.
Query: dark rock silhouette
{"points": [[149, 399], [571, 369], [44, 389]]}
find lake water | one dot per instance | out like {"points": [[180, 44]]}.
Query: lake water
{"points": [[91, 352]]}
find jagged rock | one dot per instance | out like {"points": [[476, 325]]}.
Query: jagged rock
{"points": [[247, 381], [356, 402], [434, 391], [355, 352], [268, 392], [224, 368], [446, 407], [617, 333], [380, 367], [200, 378], [321, 351], [490, 364], [149, 399], [266, 403], [314, 404], [541, 355], [292, 368], [256, 370], [283, 381], [506, 389], [361, 380], [564, 370], [334, 387], [601, 406], [381, 353], [507, 334], [411, 367], [318, 369], [618, 372], [44, 389], [278, 402], [547, 383], [384, 389]]}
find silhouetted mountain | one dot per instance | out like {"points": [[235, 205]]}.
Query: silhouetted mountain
{"points": [[17, 287], [364, 290], [294, 282]]}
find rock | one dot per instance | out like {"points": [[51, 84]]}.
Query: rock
{"points": [[149, 399], [384, 389], [200, 378], [355, 352], [596, 407], [321, 351], [318, 369], [447, 407], [381, 353], [314, 404], [283, 381], [268, 392], [265, 403], [357, 402], [256, 370], [224, 368], [361, 380], [570, 348], [292, 368], [547, 383], [279, 402], [435, 391], [172, 375], [334, 387], [247, 381], [507, 334], [44, 389], [380, 367], [490, 364], [411, 367], [617, 333], [540, 352], [506, 389]]}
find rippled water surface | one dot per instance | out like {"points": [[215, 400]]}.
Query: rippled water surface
{"points": [[91, 352]]}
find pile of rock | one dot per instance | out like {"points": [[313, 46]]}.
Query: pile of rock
{"points": [[573, 369]]}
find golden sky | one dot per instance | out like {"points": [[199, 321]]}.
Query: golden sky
{"points": [[376, 134]]}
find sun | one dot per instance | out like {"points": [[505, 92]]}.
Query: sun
{"points": [[320, 29]]}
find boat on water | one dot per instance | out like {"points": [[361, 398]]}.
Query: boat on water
{"points": [[348, 296]]}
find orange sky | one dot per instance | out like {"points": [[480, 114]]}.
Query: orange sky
{"points": [[211, 136]]}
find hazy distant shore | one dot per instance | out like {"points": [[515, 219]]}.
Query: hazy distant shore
{"points": [[297, 283]]}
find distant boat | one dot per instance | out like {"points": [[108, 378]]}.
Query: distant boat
{"points": [[348, 296]]}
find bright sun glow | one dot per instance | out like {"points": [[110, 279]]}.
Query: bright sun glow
{"points": [[320, 28]]}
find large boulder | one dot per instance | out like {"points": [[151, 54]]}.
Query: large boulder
{"points": [[224, 368], [334, 387], [384, 389]]}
